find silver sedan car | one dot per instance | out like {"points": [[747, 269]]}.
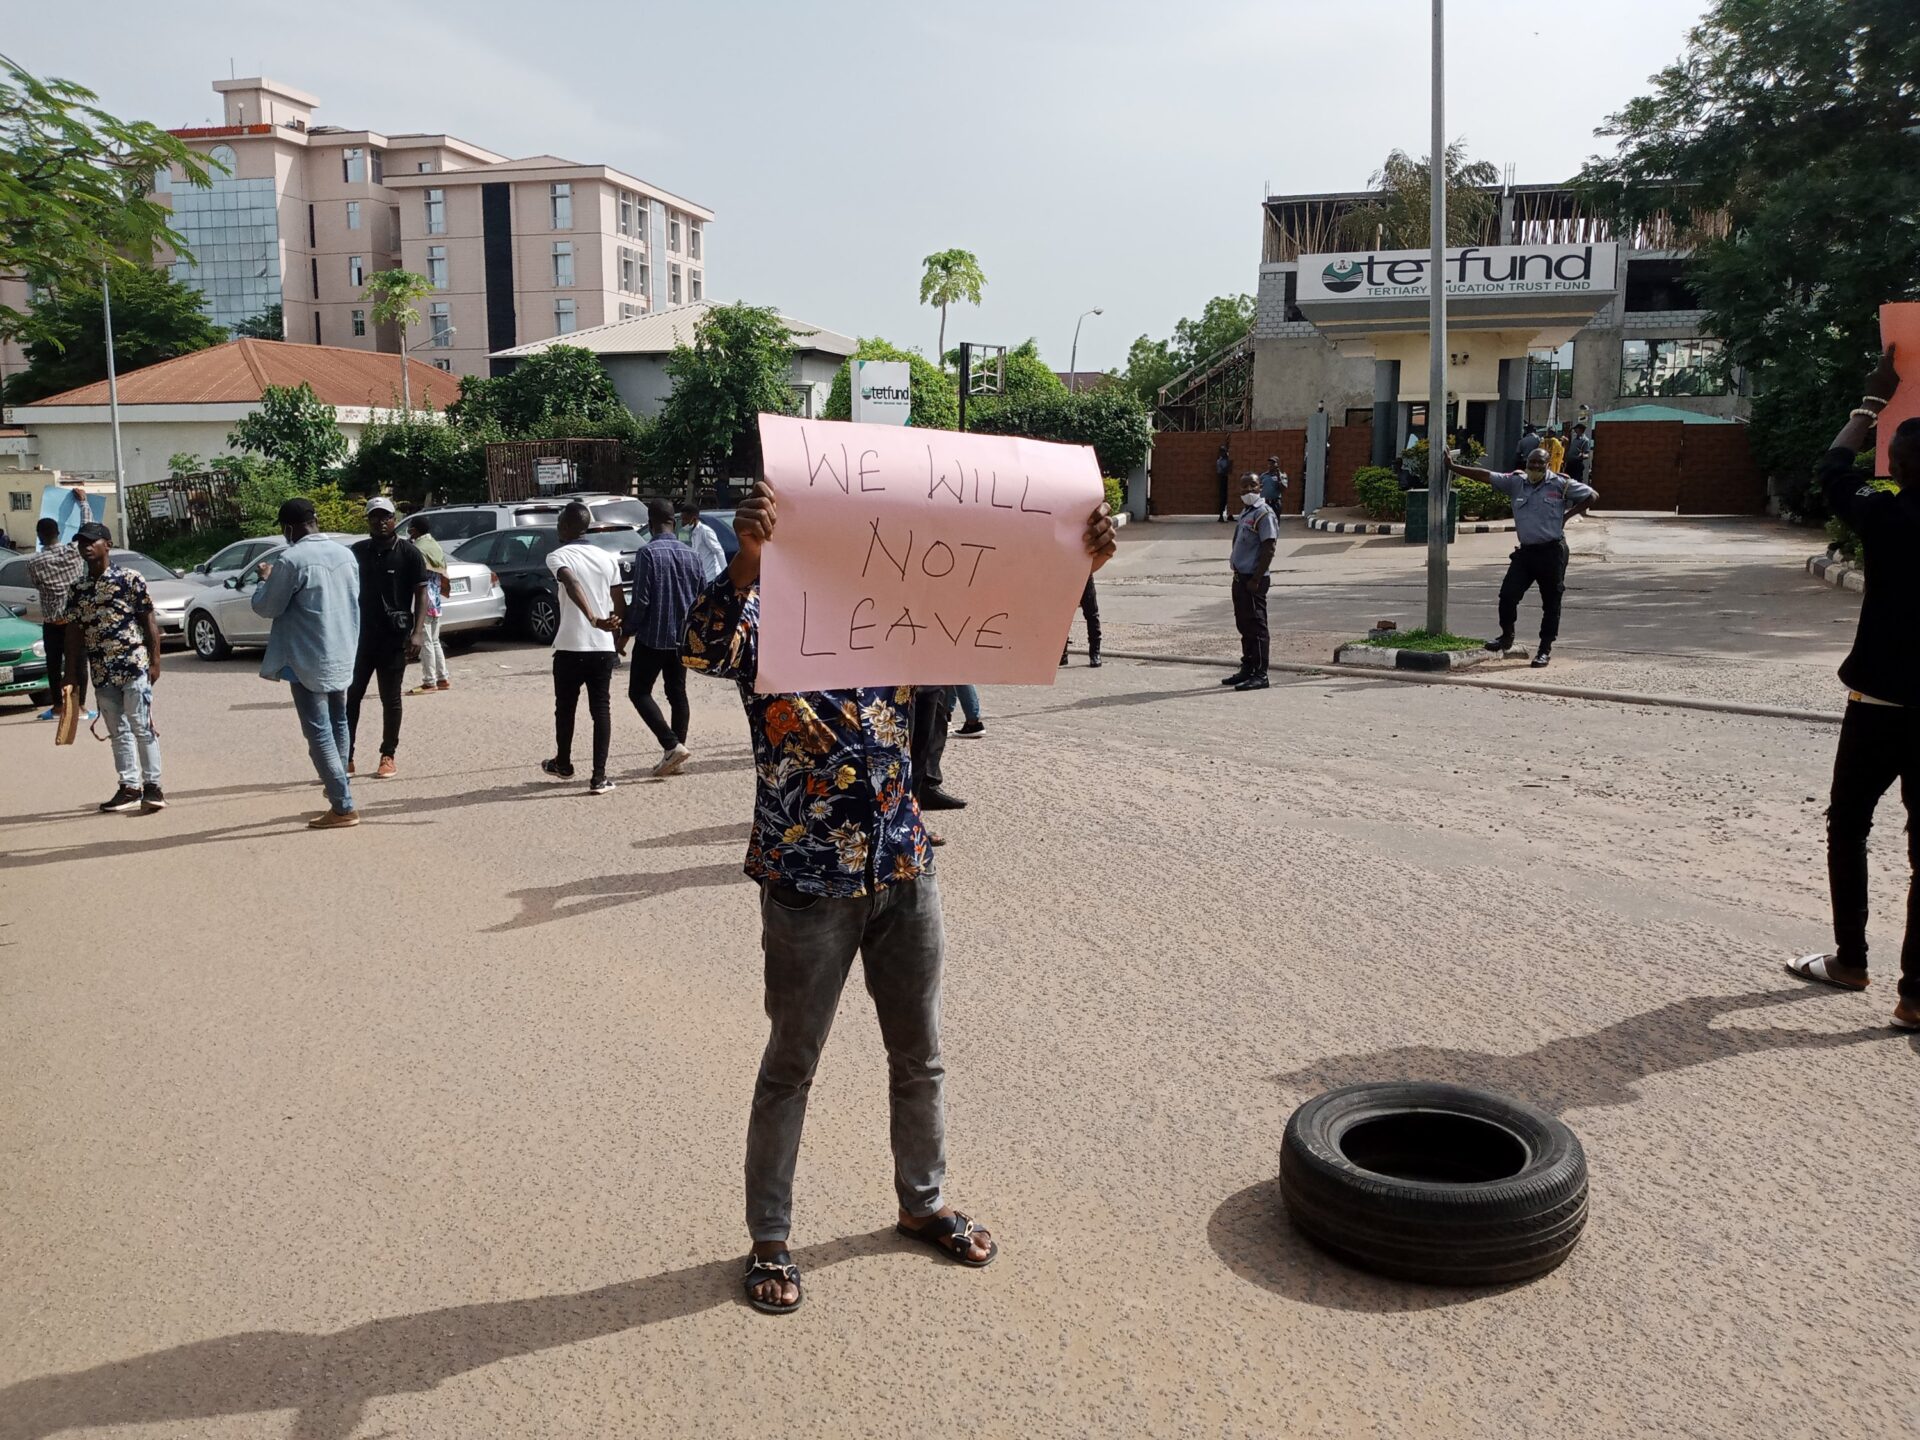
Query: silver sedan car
{"points": [[220, 618], [169, 592]]}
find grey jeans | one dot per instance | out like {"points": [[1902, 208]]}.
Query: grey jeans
{"points": [[810, 943]]}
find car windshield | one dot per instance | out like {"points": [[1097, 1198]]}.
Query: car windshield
{"points": [[536, 515], [619, 541], [620, 512], [451, 525], [142, 565]]}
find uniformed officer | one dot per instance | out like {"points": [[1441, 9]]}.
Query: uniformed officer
{"points": [[1542, 500]]}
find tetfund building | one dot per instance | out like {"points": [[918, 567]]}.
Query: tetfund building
{"points": [[1553, 316]]}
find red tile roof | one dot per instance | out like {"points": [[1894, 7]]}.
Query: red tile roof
{"points": [[237, 372]]}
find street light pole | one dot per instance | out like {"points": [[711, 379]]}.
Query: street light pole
{"points": [[113, 406], [1073, 361], [1437, 417]]}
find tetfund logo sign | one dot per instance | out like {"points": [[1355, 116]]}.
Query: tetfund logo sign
{"points": [[882, 391], [1475, 270]]}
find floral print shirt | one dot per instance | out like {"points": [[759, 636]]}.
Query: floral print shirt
{"points": [[834, 813], [111, 610]]}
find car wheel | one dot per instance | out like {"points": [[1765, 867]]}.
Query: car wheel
{"points": [[1435, 1183], [208, 643], [543, 619]]}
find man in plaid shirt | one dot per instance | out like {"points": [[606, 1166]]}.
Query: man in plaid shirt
{"points": [[53, 572]]}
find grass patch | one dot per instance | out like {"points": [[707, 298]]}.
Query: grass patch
{"points": [[1419, 640]]}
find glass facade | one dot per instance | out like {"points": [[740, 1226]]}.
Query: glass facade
{"points": [[1653, 368], [233, 229]]}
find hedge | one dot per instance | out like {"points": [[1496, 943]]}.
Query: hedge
{"points": [[1378, 489]]}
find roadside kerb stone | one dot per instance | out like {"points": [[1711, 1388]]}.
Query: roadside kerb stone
{"points": [[1841, 574], [1388, 657], [1393, 527]]}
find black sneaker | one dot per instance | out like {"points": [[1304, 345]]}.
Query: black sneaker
{"points": [[152, 798], [932, 797], [1093, 660], [973, 727], [1236, 677], [556, 769], [1501, 646], [599, 785], [1252, 682], [1541, 657], [125, 798]]}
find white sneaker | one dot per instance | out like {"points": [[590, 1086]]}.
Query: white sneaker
{"points": [[673, 760]]}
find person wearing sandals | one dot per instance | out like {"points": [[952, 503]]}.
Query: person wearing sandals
{"points": [[433, 655], [844, 868], [1880, 732]]}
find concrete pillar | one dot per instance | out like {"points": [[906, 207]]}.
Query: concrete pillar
{"points": [[1315, 481], [1507, 418], [1386, 405]]}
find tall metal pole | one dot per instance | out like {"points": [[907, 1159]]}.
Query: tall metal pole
{"points": [[1438, 476], [113, 408], [1073, 358]]}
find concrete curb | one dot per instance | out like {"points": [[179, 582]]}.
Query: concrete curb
{"points": [[1841, 574], [1475, 682], [1385, 657], [1391, 527]]}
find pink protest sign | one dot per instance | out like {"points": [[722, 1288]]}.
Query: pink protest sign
{"points": [[919, 557], [1900, 328]]}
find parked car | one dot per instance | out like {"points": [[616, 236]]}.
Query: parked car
{"points": [[244, 555], [170, 593], [454, 523], [23, 658], [220, 618], [519, 558]]}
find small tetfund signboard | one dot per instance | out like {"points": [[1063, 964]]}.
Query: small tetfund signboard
{"points": [[1489, 271], [919, 557], [882, 392]]}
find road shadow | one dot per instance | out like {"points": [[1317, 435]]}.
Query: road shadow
{"points": [[1132, 697], [706, 765], [1250, 1233], [212, 792], [330, 1379], [543, 904], [705, 835], [1597, 1069]]}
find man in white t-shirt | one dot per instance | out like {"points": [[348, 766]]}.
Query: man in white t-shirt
{"points": [[592, 605]]}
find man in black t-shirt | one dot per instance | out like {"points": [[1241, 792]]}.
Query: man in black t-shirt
{"points": [[1880, 734], [393, 607]]}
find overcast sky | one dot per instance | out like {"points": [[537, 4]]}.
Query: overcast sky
{"points": [[1101, 152]]}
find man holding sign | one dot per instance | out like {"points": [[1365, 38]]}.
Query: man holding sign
{"points": [[838, 847]]}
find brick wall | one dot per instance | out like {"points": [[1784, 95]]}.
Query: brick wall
{"points": [[1668, 465], [1717, 473], [1184, 482]]}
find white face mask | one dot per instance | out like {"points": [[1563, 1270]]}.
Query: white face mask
{"points": [[1250, 499]]}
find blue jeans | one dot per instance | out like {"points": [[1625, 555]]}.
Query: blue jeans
{"points": [[969, 701], [128, 711], [323, 717]]}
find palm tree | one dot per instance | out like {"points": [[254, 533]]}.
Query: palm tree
{"points": [[393, 293], [951, 276], [1400, 217]]}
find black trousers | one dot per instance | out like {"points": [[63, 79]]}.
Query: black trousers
{"points": [[1225, 478], [1543, 564], [390, 665], [572, 671], [649, 666], [1878, 745], [1250, 617], [54, 637], [1090, 612], [927, 744]]}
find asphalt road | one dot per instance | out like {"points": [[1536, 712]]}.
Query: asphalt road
{"points": [[433, 1128]]}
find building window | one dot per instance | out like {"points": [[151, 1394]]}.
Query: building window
{"points": [[312, 243], [379, 167], [1550, 373], [437, 266], [562, 264], [693, 242], [440, 321], [563, 317], [640, 278], [1672, 367], [442, 363], [629, 311], [560, 203], [802, 401], [629, 269], [1659, 285], [673, 284], [316, 327], [359, 322], [673, 234], [314, 264], [353, 214], [353, 164], [626, 213], [425, 167], [436, 212], [356, 271], [694, 291]]}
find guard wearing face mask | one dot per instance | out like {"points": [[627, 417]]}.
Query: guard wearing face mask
{"points": [[1543, 499], [1255, 532]]}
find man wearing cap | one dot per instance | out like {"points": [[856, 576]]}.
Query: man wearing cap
{"points": [[114, 629], [393, 607], [311, 593], [1273, 486]]}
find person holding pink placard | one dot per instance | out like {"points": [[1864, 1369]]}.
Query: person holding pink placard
{"points": [[1880, 734], [844, 868]]}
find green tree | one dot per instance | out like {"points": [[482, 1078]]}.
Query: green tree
{"points": [[562, 385], [950, 277], [1112, 420], [1223, 321], [1150, 364], [393, 293], [1400, 217], [269, 324], [418, 457], [739, 365], [1783, 143], [936, 403], [76, 187], [154, 318], [1025, 376], [295, 429]]}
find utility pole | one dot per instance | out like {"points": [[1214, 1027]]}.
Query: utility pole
{"points": [[966, 380], [113, 409], [1438, 473]]}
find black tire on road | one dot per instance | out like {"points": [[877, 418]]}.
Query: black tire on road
{"points": [[203, 634], [1435, 1183]]}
